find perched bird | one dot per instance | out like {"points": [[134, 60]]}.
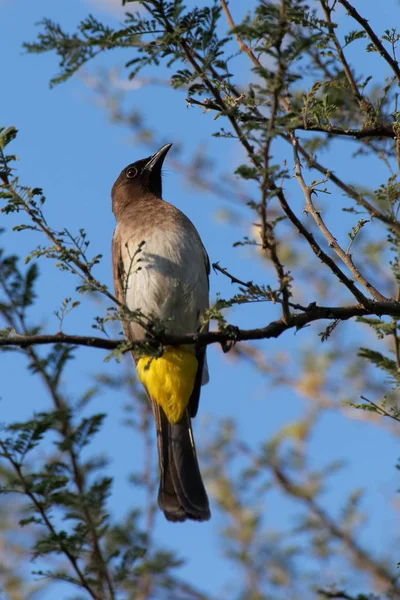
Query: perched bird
{"points": [[161, 268]]}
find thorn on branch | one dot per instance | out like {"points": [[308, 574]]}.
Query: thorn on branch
{"points": [[311, 306], [216, 267]]}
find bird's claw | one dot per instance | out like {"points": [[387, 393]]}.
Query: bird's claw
{"points": [[233, 333]]}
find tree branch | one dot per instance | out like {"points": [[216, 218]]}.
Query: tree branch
{"points": [[272, 330], [362, 102], [242, 46], [394, 65], [378, 130], [46, 520], [344, 256], [315, 247], [76, 266], [361, 556], [247, 284], [373, 131], [16, 319], [269, 241], [285, 104], [336, 594], [347, 189]]}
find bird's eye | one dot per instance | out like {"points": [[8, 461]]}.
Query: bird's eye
{"points": [[131, 172]]}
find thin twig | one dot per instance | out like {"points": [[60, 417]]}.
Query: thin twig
{"points": [[66, 431], [250, 285], [347, 189], [316, 248], [378, 130], [363, 103], [267, 230], [247, 284], [394, 65], [244, 48], [346, 258], [40, 508], [380, 410], [83, 272], [268, 237], [362, 557], [206, 103]]}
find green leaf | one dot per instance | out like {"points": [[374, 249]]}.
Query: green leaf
{"points": [[382, 362]]}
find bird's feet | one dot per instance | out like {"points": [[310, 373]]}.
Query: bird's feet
{"points": [[233, 336]]}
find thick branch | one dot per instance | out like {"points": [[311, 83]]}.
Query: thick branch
{"points": [[373, 131], [272, 330], [336, 594]]}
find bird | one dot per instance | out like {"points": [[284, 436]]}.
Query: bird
{"points": [[161, 269]]}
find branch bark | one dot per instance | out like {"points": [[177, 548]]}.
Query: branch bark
{"points": [[373, 131], [272, 330]]}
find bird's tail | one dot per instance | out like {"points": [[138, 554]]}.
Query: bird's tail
{"points": [[182, 494]]}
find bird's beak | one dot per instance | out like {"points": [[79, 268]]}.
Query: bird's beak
{"points": [[156, 161]]}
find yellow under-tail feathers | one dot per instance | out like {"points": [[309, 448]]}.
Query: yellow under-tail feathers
{"points": [[169, 380]]}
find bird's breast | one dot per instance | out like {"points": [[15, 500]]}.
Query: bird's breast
{"points": [[165, 276]]}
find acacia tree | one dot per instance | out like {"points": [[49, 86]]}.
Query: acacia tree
{"points": [[335, 259]]}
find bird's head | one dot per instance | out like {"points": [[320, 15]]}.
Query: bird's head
{"points": [[139, 178]]}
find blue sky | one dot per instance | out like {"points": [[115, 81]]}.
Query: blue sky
{"points": [[67, 146]]}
